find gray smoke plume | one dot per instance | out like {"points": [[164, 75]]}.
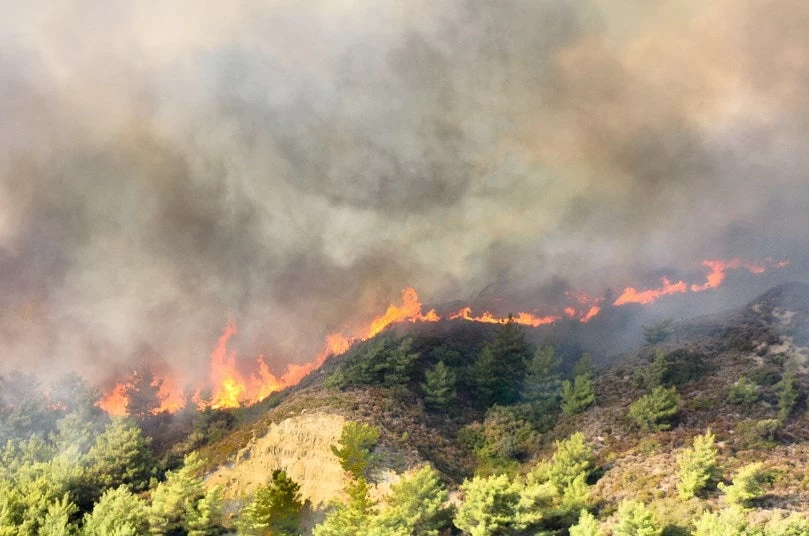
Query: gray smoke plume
{"points": [[296, 164]]}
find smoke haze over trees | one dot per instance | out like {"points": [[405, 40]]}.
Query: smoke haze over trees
{"points": [[298, 164]]}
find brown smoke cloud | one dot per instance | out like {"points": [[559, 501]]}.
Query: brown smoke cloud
{"points": [[297, 164]]}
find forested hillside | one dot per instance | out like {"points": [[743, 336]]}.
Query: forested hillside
{"points": [[442, 429]]}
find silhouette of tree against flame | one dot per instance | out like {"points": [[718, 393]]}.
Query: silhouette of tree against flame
{"points": [[143, 392]]}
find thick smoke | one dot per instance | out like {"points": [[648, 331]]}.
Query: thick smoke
{"points": [[296, 164]]}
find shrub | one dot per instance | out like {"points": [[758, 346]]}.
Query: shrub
{"points": [[698, 466], [356, 444], [658, 332], [655, 410], [743, 392], [505, 436]]}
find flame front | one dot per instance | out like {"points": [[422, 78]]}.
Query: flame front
{"points": [[231, 388]]}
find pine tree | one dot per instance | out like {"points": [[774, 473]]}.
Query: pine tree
{"points": [[353, 517], [57, 518], [143, 393], [746, 485], [788, 395], [177, 500], [728, 522], [275, 510], [510, 351], [439, 386], [698, 466], [655, 373], [355, 446], [121, 455], [587, 526], [655, 410], [489, 506], [483, 377], [118, 513], [542, 386], [577, 396], [634, 519], [416, 505], [584, 367]]}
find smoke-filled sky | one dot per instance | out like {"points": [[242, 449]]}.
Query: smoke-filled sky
{"points": [[296, 164]]}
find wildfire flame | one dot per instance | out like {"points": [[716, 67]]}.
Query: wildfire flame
{"points": [[526, 319], [232, 388]]}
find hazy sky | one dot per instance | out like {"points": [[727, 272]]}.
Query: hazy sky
{"points": [[296, 164]]}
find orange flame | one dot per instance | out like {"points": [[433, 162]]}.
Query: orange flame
{"points": [[594, 310], [231, 388], [632, 295], [410, 310], [115, 401], [526, 319]]}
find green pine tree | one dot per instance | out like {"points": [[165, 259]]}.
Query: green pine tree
{"points": [[698, 467], [353, 517], [788, 395], [121, 455], [275, 509], [746, 485], [587, 526], [577, 396], [511, 352], [355, 447], [634, 519], [416, 505], [483, 377], [439, 386], [118, 513], [656, 410], [542, 385], [489, 506]]}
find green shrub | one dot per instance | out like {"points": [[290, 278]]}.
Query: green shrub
{"points": [[658, 332], [656, 410], [743, 392]]}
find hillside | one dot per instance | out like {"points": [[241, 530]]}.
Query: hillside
{"points": [[704, 358], [449, 427]]}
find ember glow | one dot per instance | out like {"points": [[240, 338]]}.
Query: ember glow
{"points": [[231, 387]]}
